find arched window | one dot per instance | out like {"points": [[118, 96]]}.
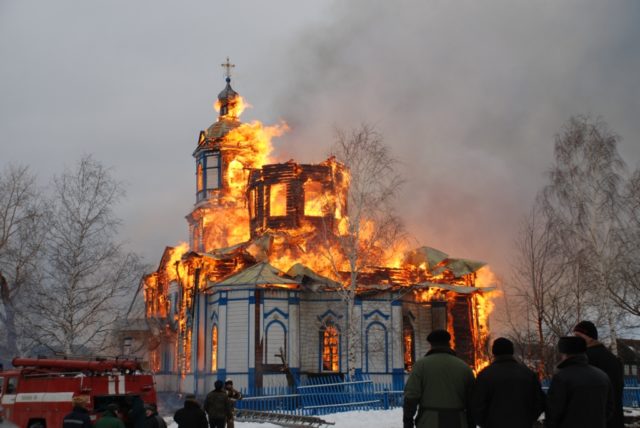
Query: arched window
{"points": [[275, 343], [376, 348], [330, 348], [408, 342], [212, 165], [214, 348]]}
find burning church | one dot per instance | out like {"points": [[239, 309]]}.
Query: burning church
{"points": [[252, 296]]}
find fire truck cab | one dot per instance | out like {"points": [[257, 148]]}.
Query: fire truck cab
{"points": [[37, 393]]}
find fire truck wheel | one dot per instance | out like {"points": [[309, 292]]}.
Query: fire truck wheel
{"points": [[37, 425]]}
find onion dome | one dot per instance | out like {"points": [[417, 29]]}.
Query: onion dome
{"points": [[227, 98]]}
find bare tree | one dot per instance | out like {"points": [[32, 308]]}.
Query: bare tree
{"points": [[87, 273], [538, 292], [22, 211], [371, 225], [584, 203]]}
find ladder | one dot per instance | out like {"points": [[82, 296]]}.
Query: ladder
{"points": [[282, 419]]}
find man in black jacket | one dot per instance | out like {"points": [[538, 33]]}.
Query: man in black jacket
{"points": [[79, 416], [507, 393], [580, 395], [600, 357], [191, 415]]}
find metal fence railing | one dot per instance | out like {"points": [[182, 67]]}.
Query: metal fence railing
{"points": [[329, 395]]}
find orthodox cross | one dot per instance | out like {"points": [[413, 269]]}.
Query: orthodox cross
{"points": [[228, 66]]}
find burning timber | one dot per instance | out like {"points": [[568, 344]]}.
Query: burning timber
{"points": [[256, 293]]}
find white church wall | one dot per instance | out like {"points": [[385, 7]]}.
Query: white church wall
{"points": [[236, 343], [313, 310], [276, 325], [376, 335]]}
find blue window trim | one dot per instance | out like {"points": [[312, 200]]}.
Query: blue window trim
{"points": [[329, 322], [266, 336]]}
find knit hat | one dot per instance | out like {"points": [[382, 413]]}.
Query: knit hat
{"points": [[587, 328], [502, 346], [572, 345], [439, 337]]}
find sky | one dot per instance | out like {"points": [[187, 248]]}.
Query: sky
{"points": [[468, 95]]}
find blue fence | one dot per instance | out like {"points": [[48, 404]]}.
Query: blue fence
{"points": [[333, 395]]}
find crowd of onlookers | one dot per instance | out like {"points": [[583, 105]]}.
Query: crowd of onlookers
{"points": [[585, 392], [218, 412]]}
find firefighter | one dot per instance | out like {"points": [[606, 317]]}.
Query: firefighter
{"points": [[79, 416], [4, 423], [234, 395]]}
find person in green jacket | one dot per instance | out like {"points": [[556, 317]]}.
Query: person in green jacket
{"points": [[110, 418], [439, 388]]}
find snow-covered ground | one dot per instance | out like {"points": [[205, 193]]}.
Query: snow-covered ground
{"points": [[360, 419]]}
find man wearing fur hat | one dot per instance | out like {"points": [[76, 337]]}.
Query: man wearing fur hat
{"points": [[439, 387], [580, 395], [507, 393], [599, 356]]}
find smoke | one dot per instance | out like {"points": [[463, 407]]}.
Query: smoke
{"points": [[469, 96]]}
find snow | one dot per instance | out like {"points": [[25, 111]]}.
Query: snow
{"points": [[358, 419]]}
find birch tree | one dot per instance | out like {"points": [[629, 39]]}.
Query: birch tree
{"points": [[584, 204], [22, 213], [87, 272], [372, 224]]}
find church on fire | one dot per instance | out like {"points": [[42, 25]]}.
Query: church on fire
{"points": [[250, 296]]}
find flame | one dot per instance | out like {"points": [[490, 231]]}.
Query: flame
{"points": [[236, 107]]}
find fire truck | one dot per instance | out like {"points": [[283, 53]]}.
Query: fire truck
{"points": [[37, 393]]}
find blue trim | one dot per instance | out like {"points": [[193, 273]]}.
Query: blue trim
{"points": [[252, 380], [266, 336], [295, 371], [278, 310], [294, 299], [252, 298], [397, 377], [386, 345], [327, 313], [222, 374], [214, 316], [357, 302], [321, 343], [357, 373], [396, 302], [223, 298], [376, 311]]}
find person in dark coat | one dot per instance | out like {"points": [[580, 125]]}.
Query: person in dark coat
{"points": [[234, 395], [191, 415], [218, 406], [135, 415], [599, 356], [507, 394], [580, 395], [110, 418], [79, 416], [153, 419], [439, 387]]}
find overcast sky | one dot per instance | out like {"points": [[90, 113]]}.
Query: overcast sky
{"points": [[468, 94]]}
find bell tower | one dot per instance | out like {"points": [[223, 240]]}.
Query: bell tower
{"points": [[220, 177]]}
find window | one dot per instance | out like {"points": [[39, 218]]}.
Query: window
{"points": [[330, 339], [409, 345], [214, 348], [199, 178], [277, 200], [275, 343], [12, 385], [212, 176], [1, 384], [313, 199], [376, 348], [252, 204]]}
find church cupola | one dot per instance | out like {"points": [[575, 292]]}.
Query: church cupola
{"points": [[209, 154]]}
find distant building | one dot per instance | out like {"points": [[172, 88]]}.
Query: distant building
{"points": [[629, 353], [252, 296]]}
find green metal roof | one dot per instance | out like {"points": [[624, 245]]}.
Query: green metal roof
{"points": [[427, 255], [302, 272], [459, 267], [258, 274]]}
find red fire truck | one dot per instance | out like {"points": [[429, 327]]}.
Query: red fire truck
{"points": [[38, 392]]}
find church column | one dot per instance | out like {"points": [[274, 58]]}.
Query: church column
{"points": [[293, 357], [397, 357], [222, 335]]}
